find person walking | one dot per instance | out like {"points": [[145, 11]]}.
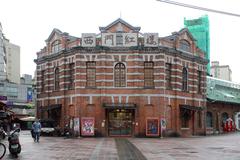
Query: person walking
{"points": [[36, 127]]}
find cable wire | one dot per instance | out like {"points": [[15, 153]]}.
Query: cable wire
{"points": [[199, 8]]}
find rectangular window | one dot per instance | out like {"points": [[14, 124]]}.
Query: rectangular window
{"points": [[91, 74], [168, 76], [148, 74], [71, 76], [199, 81], [42, 81]]}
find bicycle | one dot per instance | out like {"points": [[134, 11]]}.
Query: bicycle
{"points": [[2, 150]]}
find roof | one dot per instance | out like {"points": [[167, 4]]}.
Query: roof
{"points": [[222, 90], [60, 33], [119, 20]]}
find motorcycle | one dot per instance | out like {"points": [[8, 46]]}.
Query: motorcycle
{"points": [[14, 144]]}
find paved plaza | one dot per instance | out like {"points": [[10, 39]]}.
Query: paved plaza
{"points": [[223, 147]]}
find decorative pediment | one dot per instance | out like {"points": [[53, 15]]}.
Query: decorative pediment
{"points": [[120, 25], [185, 34], [55, 34]]}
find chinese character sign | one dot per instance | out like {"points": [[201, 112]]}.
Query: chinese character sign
{"points": [[152, 127], [151, 39], [88, 39], [109, 39], [129, 39], [87, 126]]}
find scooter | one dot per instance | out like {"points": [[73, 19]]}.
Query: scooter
{"points": [[14, 144]]}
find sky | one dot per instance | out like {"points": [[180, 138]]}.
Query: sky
{"points": [[28, 23]]}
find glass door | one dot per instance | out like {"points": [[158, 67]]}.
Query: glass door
{"points": [[120, 122]]}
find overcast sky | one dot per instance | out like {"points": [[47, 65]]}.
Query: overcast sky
{"points": [[28, 23]]}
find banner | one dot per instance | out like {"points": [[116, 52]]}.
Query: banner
{"points": [[76, 125]]}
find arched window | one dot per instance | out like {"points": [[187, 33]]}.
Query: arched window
{"points": [[209, 120], [185, 45], [56, 45], [224, 117], [56, 78], [184, 79], [120, 75]]}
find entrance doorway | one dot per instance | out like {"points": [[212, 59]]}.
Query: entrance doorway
{"points": [[120, 122]]}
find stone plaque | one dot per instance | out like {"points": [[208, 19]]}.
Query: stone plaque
{"points": [[88, 39], [109, 39], [151, 39], [130, 39]]}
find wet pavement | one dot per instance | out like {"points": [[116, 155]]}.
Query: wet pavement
{"points": [[223, 147]]}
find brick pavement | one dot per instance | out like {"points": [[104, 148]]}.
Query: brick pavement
{"points": [[224, 147]]}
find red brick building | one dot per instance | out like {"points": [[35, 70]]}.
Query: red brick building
{"points": [[122, 82]]}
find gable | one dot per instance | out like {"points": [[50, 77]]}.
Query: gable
{"points": [[119, 25], [55, 34]]}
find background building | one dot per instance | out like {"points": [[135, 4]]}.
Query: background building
{"points": [[18, 96], [3, 72], [199, 28], [13, 61], [122, 82], [221, 71]]}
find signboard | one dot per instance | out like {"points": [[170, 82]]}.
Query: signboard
{"points": [[152, 127], [130, 39], [87, 126], [109, 39], [3, 98], [151, 39], [76, 125], [29, 94], [88, 39]]}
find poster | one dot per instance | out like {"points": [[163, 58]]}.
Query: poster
{"points": [[152, 127], [163, 123], [87, 126]]}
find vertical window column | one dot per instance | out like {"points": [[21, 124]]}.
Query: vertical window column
{"points": [[148, 75], [91, 74]]}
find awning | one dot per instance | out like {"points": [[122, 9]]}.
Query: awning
{"points": [[193, 108], [119, 105], [28, 119], [51, 107]]}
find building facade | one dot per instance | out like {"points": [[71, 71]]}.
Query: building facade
{"points": [[199, 28], [221, 71], [223, 102], [122, 82]]}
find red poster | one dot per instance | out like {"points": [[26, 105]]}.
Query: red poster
{"points": [[152, 126], [87, 126]]}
